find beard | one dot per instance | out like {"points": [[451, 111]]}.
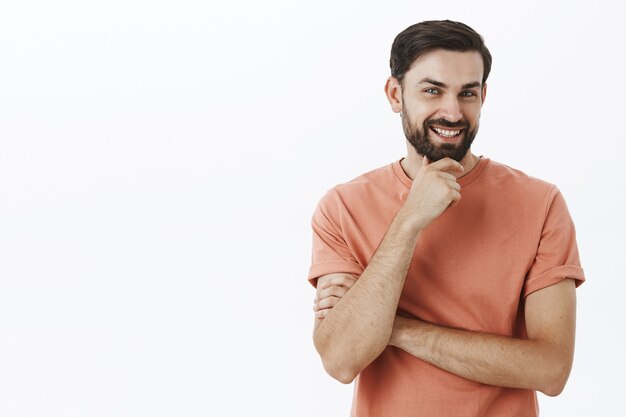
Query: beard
{"points": [[435, 151]]}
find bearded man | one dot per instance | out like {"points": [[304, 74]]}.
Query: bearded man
{"points": [[445, 280]]}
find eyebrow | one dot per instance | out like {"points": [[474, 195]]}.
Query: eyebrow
{"points": [[442, 85]]}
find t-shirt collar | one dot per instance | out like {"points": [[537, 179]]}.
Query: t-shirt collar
{"points": [[463, 181]]}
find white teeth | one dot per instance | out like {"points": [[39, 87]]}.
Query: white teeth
{"points": [[447, 133]]}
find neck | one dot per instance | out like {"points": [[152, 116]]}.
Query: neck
{"points": [[413, 162]]}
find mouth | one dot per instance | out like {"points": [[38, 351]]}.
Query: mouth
{"points": [[446, 134]]}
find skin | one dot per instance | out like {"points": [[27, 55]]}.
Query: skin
{"points": [[355, 319]]}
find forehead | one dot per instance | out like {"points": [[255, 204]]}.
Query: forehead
{"points": [[450, 67]]}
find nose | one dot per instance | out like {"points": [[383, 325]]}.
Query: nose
{"points": [[451, 109]]}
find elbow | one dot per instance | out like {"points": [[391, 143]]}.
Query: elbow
{"points": [[336, 364], [337, 368], [553, 390], [554, 387], [343, 374], [555, 381], [345, 359]]}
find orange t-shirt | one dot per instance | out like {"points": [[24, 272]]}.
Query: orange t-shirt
{"points": [[510, 235]]}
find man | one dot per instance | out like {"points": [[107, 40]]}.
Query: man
{"points": [[445, 281]]}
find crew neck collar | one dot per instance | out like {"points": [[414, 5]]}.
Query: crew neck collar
{"points": [[463, 181]]}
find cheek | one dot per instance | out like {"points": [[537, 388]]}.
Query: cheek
{"points": [[472, 113], [419, 118], [420, 110]]}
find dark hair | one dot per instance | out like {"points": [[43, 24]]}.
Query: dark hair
{"points": [[435, 34]]}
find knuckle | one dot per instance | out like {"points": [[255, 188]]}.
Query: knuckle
{"points": [[334, 289], [338, 280], [330, 302]]}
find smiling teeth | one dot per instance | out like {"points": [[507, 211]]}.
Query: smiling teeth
{"points": [[447, 133]]}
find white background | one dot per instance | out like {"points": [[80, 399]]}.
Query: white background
{"points": [[160, 162]]}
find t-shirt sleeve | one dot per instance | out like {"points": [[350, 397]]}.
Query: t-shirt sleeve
{"points": [[557, 254], [330, 252]]}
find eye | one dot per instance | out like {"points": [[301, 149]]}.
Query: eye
{"points": [[468, 93], [432, 91]]}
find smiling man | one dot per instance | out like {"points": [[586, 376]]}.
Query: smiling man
{"points": [[445, 281]]}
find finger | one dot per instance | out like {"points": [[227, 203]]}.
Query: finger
{"points": [[343, 280], [446, 175], [454, 185], [425, 161], [328, 302], [322, 313], [456, 197], [447, 164], [335, 290]]}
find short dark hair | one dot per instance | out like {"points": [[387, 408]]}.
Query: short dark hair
{"points": [[435, 34]]}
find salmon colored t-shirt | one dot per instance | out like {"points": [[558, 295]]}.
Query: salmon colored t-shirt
{"points": [[510, 235]]}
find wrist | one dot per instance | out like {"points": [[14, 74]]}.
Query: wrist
{"points": [[410, 221], [397, 332]]}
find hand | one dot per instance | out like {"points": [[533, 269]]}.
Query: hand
{"points": [[434, 189], [329, 292]]}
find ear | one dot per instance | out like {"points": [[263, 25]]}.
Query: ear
{"points": [[393, 91], [483, 94]]}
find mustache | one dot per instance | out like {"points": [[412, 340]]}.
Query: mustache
{"points": [[445, 123]]}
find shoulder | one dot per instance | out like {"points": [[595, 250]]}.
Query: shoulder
{"points": [[519, 183]]}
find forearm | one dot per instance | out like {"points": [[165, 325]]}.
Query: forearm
{"points": [[358, 328], [486, 358]]}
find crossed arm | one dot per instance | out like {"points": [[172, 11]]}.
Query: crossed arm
{"points": [[350, 334], [542, 362], [356, 319]]}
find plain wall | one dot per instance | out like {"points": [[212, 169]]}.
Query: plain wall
{"points": [[160, 162]]}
